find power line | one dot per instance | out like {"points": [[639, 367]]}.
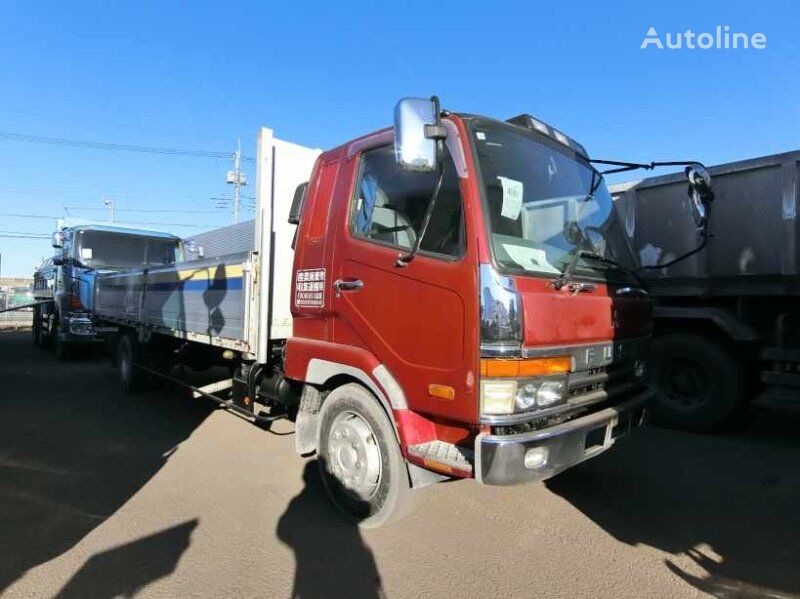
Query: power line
{"points": [[101, 145], [96, 209], [43, 235], [8, 236], [131, 195], [28, 215], [129, 222]]}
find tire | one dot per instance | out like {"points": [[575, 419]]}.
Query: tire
{"points": [[699, 383], [61, 348], [38, 335], [354, 429], [128, 354]]}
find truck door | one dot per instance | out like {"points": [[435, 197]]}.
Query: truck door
{"points": [[414, 318]]}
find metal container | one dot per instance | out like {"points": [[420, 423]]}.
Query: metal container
{"points": [[753, 220], [231, 239]]}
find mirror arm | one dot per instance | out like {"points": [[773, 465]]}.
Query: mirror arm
{"points": [[632, 166], [438, 132], [435, 131], [404, 259]]}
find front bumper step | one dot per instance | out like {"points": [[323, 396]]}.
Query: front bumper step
{"points": [[442, 457]]}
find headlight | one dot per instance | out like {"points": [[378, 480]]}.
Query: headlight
{"points": [[500, 396], [497, 396], [523, 385], [550, 393]]}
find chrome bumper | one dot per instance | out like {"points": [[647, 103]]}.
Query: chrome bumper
{"points": [[500, 459], [79, 328]]}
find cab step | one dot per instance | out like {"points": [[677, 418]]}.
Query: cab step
{"points": [[442, 457]]}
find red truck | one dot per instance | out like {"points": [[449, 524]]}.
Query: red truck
{"points": [[461, 299]]}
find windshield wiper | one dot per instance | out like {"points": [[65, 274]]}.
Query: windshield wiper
{"points": [[600, 258], [566, 277]]}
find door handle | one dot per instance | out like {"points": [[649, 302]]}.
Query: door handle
{"points": [[347, 285]]}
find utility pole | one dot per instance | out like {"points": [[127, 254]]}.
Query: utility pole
{"points": [[110, 204], [236, 178]]}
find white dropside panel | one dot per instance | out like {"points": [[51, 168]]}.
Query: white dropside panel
{"points": [[282, 166], [293, 165]]}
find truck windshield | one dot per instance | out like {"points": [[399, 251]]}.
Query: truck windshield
{"points": [[106, 249], [544, 203]]}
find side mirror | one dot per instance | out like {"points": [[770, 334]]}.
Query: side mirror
{"points": [[415, 132], [58, 239], [298, 201], [700, 193], [58, 260]]}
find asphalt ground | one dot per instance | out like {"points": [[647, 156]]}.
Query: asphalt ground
{"points": [[104, 494]]}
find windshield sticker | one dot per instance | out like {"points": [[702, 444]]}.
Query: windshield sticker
{"points": [[480, 135], [529, 258], [552, 169], [86, 253], [512, 198]]}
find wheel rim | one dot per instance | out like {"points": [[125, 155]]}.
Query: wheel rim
{"points": [[354, 456], [685, 385]]}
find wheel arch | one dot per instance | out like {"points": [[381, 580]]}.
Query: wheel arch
{"points": [[327, 375], [708, 319]]}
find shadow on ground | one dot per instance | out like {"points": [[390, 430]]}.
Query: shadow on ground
{"points": [[123, 571], [331, 558], [73, 450], [729, 505]]}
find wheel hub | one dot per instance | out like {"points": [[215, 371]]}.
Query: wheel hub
{"points": [[354, 457], [685, 385]]}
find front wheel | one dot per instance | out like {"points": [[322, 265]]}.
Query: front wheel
{"points": [[61, 348], [38, 333], [360, 460], [128, 354], [699, 383]]}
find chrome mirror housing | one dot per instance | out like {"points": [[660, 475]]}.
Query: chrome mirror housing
{"points": [[414, 149], [58, 239], [700, 193]]}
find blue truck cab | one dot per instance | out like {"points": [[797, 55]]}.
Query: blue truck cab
{"points": [[68, 278]]}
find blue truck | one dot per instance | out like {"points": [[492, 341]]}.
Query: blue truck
{"points": [[64, 284]]}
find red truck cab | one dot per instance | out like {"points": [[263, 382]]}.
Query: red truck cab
{"points": [[461, 308]]}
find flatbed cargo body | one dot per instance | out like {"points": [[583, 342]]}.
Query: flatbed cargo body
{"points": [[204, 301], [222, 300]]}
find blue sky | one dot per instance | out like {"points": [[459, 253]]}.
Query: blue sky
{"points": [[197, 77]]}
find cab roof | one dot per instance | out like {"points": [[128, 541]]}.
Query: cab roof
{"points": [[123, 231]]}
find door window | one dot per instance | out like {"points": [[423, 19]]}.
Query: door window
{"points": [[390, 203]]}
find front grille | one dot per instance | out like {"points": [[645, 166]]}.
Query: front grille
{"points": [[582, 383], [604, 383]]}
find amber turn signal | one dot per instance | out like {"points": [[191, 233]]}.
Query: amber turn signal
{"points": [[515, 368], [441, 391]]}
